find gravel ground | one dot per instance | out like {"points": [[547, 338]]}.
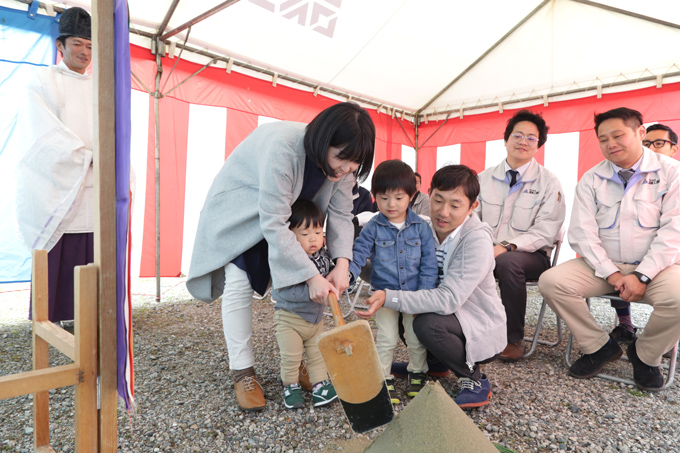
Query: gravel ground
{"points": [[186, 403]]}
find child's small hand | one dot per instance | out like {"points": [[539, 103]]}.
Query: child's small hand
{"points": [[375, 303]]}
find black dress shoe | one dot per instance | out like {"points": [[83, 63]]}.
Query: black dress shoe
{"points": [[646, 377], [622, 335], [590, 364]]}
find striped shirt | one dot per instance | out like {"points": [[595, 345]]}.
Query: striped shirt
{"points": [[444, 248]]}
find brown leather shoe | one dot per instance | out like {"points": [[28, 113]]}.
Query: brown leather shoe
{"points": [[513, 352], [249, 394], [303, 378]]}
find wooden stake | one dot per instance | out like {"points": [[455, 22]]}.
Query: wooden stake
{"points": [[41, 400], [86, 357], [104, 161]]}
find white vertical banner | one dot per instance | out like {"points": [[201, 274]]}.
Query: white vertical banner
{"points": [[495, 153], [448, 155], [408, 155], [266, 119], [367, 183], [205, 157], [561, 158], [139, 142]]}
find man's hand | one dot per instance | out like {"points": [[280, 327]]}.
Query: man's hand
{"points": [[498, 249], [375, 302], [630, 288], [614, 279], [339, 276]]}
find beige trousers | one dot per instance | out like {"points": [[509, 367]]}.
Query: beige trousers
{"points": [[564, 288], [295, 335], [387, 322]]}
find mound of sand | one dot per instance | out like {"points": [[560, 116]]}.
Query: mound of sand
{"points": [[432, 422]]}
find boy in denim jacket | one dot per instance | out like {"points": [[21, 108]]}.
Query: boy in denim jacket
{"points": [[402, 252]]}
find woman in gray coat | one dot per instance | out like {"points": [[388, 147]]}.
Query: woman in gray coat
{"points": [[243, 236]]}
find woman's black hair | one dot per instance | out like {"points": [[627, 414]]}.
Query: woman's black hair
{"points": [[393, 175], [345, 126], [305, 213]]}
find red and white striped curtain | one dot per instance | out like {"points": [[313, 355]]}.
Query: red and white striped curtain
{"points": [[204, 119]]}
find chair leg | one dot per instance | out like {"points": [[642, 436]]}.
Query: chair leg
{"points": [[539, 323]]}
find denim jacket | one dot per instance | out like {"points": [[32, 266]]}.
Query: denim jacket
{"points": [[402, 260]]}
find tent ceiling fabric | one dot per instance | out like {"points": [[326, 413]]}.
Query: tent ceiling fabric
{"points": [[403, 52]]}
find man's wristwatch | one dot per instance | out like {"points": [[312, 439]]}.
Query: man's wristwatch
{"points": [[642, 277], [507, 245]]}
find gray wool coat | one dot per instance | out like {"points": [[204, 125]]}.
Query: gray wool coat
{"points": [[250, 199], [468, 290]]}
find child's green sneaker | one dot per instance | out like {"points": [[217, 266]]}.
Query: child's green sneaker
{"points": [[392, 391], [292, 396], [323, 393], [416, 382]]}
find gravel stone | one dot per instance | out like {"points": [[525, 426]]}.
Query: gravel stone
{"points": [[185, 400]]}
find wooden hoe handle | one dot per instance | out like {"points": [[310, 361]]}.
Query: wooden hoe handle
{"points": [[335, 308]]}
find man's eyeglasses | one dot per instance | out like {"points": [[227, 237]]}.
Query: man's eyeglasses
{"points": [[660, 143], [531, 140]]}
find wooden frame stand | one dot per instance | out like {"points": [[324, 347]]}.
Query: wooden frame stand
{"points": [[80, 347]]}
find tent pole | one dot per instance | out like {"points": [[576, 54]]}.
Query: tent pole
{"points": [[416, 123], [198, 19], [157, 134], [168, 15]]}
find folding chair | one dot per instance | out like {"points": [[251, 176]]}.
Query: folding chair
{"points": [[541, 315], [670, 367]]}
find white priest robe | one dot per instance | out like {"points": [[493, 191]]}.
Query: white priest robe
{"points": [[53, 193]]}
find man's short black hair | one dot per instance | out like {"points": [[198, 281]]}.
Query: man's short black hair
{"points": [[672, 136], [451, 177], [393, 175], [631, 118], [305, 213], [526, 115], [417, 175], [345, 126]]}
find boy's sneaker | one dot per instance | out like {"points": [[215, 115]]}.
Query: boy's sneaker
{"points": [[474, 393], [323, 393], [437, 369], [392, 391], [416, 382], [292, 396]]}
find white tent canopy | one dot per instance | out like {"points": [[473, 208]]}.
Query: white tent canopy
{"points": [[428, 56]]}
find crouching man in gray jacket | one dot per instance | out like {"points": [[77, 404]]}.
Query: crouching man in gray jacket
{"points": [[462, 321]]}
